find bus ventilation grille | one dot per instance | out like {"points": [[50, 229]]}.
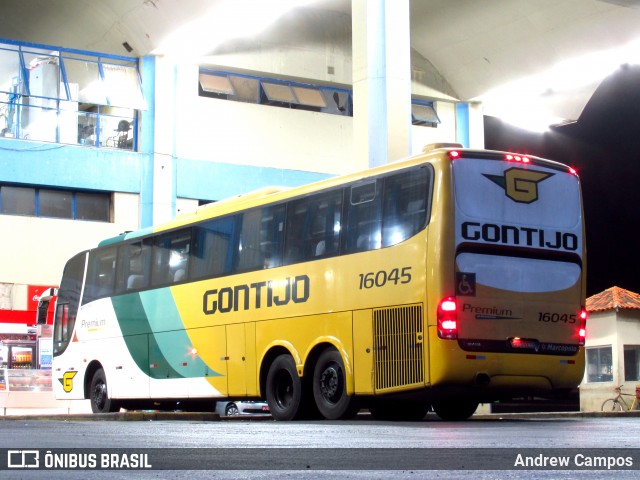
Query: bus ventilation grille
{"points": [[397, 346]]}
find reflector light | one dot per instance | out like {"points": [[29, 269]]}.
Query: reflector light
{"points": [[448, 318]]}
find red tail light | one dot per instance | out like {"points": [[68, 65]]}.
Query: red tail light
{"points": [[448, 318], [582, 333]]}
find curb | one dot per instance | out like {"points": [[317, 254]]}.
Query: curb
{"points": [[149, 416]]}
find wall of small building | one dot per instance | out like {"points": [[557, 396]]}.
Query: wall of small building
{"points": [[616, 329], [601, 332]]}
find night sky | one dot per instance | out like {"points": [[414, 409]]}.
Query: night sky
{"points": [[604, 146]]}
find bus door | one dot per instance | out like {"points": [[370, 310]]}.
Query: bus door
{"points": [[519, 253]]}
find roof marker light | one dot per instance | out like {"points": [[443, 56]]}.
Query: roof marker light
{"points": [[517, 158], [454, 154]]}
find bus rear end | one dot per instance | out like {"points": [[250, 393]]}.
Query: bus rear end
{"points": [[511, 321]]}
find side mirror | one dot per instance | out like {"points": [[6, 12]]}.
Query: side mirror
{"points": [[43, 305]]}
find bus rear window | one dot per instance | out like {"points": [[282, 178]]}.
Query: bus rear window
{"points": [[515, 274]]}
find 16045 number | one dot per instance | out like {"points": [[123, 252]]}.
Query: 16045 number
{"points": [[556, 317], [382, 277]]}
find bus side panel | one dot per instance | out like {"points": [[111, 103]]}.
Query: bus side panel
{"points": [[157, 341], [452, 366], [301, 334], [98, 336], [250, 361], [362, 352], [236, 360]]}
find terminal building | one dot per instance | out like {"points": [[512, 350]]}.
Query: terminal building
{"points": [[94, 144]]}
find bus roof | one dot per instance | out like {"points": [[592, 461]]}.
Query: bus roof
{"points": [[431, 153]]}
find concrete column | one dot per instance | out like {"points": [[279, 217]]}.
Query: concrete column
{"points": [[147, 140], [470, 125], [164, 153], [381, 80]]}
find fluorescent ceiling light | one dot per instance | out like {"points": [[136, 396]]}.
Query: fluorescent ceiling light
{"points": [[228, 19], [533, 102]]}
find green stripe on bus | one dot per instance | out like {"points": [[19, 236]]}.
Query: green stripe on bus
{"points": [[155, 337], [171, 339], [134, 326]]}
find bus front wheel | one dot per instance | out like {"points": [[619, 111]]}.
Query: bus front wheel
{"points": [[100, 401], [284, 389], [330, 389]]}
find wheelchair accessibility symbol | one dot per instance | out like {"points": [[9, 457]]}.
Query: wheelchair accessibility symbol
{"points": [[466, 284]]}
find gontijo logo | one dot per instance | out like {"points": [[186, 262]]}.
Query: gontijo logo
{"points": [[520, 185], [67, 381]]}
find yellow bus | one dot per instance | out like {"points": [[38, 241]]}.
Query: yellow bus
{"points": [[448, 279]]}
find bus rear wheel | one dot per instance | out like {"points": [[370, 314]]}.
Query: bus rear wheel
{"points": [[330, 388], [100, 401], [455, 409], [284, 389]]}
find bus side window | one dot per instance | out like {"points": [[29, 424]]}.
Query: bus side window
{"points": [[171, 257], [261, 235], [134, 263], [101, 274], [363, 217], [68, 302], [313, 226], [406, 197], [212, 253]]}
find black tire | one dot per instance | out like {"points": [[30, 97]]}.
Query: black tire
{"points": [[398, 410], [98, 396], [330, 389], [455, 409], [611, 405], [284, 389], [231, 410]]}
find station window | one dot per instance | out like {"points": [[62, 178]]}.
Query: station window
{"points": [[65, 96], [599, 364], [55, 203], [631, 363], [241, 87], [275, 92]]}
